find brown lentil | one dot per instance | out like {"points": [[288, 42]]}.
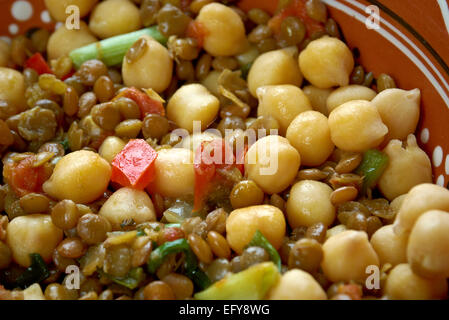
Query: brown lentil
{"points": [[137, 50], [369, 78], [348, 163], [292, 31], [6, 138], [76, 137], [37, 124], [357, 221], [343, 194], [231, 123], [172, 21], [56, 291], [65, 214], [91, 70], [358, 75], [277, 201], [200, 247], [181, 285], [203, 66], [197, 5], [92, 228], [106, 115], [30, 76], [311, 174], [158, 290], [185, 70], [266, 45], [75, 82], [258, 16], [128, 128], [252, 256], [86, 103], [128, 108], [222, 63], [246, 193], [259, 33], [298, 233], [316, 10], [218, 244], [185, 49], [216, 220], [306, 254], [70, 101], [233, 110], [154, 126], [34, 203], [3, 225], [332, 28], [373, 223], [104, 89], [317, 232], [61, 262], [90, 285], [148, 12], [19, 47], [72, 248], [385, 81]]}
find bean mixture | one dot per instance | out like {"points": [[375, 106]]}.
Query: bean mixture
{"points": [[187, 149]]}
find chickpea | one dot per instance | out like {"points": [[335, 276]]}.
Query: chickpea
{"points": [[111, 147], [346, 256], [419, 199], [127, 203], [57, 8], [272, 163], [326, 62], [356, 126], [297, 285], [211, 82], [5, 53], [309, 203], [282, 102], [399, 110], [194, 141], [12, 87], [309, 133], [243, 223], [225, 32], [80, 176], [152, 69], [428, 245], [349, 93], [396, 179], [190, 103], [174, 173], [33, 292], [335, 230], [318, 98], [390, 247], [113, 17], [63, 40], [33, 233], [273, 68], [403, 284]]}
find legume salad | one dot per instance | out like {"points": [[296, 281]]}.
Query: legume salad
{"points": [[109, 136]]}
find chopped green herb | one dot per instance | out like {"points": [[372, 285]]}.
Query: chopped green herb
{"points": [[371, 168], [245, 70], [260, 241], [112, 50], [65, 144], [132, 279], [35, 273]]}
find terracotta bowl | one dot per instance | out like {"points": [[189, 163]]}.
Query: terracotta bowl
{"points": [[411, 45]]}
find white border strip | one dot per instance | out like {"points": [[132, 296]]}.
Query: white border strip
{"points": [[341, 7], [406, 39], [444, 12]]}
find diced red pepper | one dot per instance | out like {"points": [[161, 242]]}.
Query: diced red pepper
{"points": [[354, 291], [197, 31], [23, 177], [146, 104], [172, 234], [207, 161], [134, 165], [298, 9], [38, 63]]}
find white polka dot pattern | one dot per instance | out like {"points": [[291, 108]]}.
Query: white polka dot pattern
{"points": [[22, 10], [13, 28], [437, 156], [425, 135], [45, 16], [440, 181]]}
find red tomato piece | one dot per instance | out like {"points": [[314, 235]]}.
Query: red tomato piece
{"points": [[23, 177], [134, 165], [38, 63], [197, 31], [146, 104]]}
